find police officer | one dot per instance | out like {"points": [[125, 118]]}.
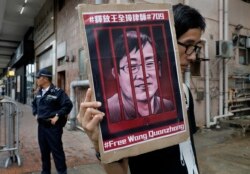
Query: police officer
{"points": [[51, 106]]}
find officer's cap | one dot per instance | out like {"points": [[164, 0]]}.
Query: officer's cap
{"points": [[44, 72]]}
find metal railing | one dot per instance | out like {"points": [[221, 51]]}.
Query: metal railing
{"points": [[9, 131]]}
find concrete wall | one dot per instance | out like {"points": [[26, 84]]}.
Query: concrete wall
{"points": [[68, 31]]}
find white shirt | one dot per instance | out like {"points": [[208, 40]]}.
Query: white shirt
{"points": [[45, 90]]}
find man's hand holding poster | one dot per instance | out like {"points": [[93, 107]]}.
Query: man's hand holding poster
{"points": [[134, 72]]}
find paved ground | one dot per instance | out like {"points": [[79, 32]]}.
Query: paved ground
{"points": [[220, 151], [223, 151]]}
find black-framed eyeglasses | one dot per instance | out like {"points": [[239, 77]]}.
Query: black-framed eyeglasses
{"points": [[135, 68], [190, 49]]}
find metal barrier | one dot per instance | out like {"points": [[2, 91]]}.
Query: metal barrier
{"points": [[9, 131]]}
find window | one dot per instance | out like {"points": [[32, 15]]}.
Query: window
{"points": [[243, 56], [243, 50]]}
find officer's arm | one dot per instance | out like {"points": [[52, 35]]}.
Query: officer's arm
{"points": [[65, 104], [34, 107]]}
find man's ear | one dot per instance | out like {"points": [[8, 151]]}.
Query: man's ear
{"points": [[159, 68], [113, 72]]}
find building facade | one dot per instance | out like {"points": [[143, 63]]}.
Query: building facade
{"points": [[220, 86]]}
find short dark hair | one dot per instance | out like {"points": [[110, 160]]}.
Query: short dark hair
{"points": [[132, 43], [185, 18]]}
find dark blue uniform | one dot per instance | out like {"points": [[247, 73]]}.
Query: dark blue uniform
{"points": [[54, 102]]}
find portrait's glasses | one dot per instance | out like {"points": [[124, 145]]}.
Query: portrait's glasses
{"points": [[135, 68], [190, 49]]}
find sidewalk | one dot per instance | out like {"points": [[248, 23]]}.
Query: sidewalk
{"points": [[219, 151], [223, 151]]}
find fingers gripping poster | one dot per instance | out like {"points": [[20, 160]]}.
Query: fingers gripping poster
{"points": [[134, 72]]}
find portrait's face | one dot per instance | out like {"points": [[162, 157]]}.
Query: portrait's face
{"points": [[191, 37], [138, 77]]}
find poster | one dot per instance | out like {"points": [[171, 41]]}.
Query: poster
{"points": [[134, 72]]}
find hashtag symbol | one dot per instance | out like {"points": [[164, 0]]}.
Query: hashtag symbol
{"points": [[106, 145]]}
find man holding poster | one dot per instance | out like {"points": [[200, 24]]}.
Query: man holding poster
{"points": [[176, 159]]}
